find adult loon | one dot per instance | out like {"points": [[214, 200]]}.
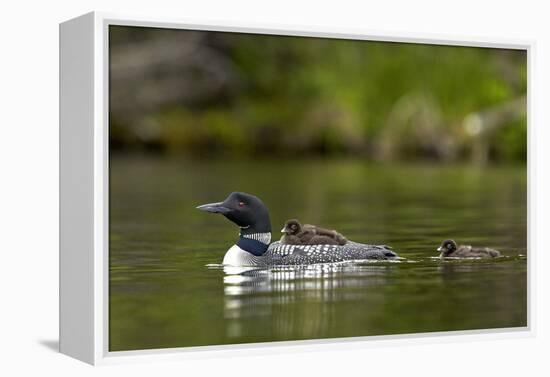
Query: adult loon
{"points": [[449, 249], [254, 249]]}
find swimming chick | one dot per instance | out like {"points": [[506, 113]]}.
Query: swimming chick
{"points": [[295, 233], [449, 249]]}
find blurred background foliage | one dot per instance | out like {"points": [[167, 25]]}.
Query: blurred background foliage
{"points": [[214, 94]]}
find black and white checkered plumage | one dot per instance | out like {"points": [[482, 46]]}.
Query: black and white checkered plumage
{"points": [[281, 254]]}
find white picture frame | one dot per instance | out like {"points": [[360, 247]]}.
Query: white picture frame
{"points": [[84, 168]]}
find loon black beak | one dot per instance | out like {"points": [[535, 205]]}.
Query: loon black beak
{"points": [[215, 208], [440, 248]]}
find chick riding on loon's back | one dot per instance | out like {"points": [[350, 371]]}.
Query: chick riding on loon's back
{"points": [[254, 249], [295, 233]]}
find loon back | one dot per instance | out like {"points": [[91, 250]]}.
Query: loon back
{"points": [[279, 254]]}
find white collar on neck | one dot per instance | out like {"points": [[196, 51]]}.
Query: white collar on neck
{"points": [[264, 238]]}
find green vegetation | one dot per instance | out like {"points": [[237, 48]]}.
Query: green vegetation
{"points": [[212, 94]]}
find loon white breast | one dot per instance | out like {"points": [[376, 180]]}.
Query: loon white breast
{"points": [[254, 247], [237, 255]]}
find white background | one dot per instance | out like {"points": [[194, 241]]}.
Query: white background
{"points": [[29, 184]]}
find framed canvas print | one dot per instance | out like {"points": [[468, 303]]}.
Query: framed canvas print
{"points": [[226, 187]]}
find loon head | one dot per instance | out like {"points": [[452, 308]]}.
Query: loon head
{"points": [[447, 247], [245, 210], [292, 227]]}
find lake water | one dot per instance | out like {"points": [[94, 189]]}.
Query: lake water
{"points": [[167, 288]]}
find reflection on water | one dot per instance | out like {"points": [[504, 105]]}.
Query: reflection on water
{"points": [[253, 293], [328, 283], [320, 280], [317, 283], [166, 289]]}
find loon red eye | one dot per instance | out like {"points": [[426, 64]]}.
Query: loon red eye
{"points": [[241, 204]]}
